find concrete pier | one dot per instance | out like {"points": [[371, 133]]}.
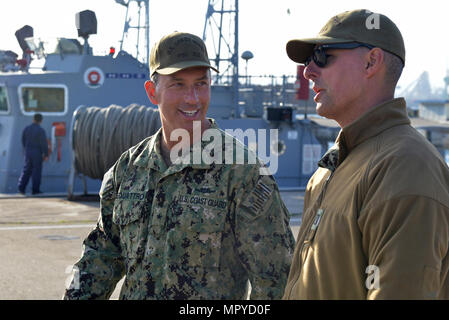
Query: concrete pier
{"points": [[41, 238]]}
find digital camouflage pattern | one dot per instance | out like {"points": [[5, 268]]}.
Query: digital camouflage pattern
{"points": [[185, 232], [335, 155], [330, 159]]}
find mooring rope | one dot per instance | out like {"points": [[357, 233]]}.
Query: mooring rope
{"points": [[101, 135]]}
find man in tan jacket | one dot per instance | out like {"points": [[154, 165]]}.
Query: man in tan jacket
{"points": [[376, 212]]}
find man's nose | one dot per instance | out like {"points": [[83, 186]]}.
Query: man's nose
{"points": [[191, 95], [311, 71]]}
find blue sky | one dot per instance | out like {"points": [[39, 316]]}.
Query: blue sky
{"points": [[265, 26]]}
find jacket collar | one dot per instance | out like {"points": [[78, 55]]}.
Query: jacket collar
{"points": [[151, 156], [378, 119]]}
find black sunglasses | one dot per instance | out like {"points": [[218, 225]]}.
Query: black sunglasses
{"points": [[319, 55]]}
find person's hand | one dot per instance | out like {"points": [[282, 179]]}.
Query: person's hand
{"points": [[45, 158]]}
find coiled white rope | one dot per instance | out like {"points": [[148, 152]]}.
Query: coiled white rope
{"points": [[101, 135]]}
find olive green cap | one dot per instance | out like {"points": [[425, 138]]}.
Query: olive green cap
{"points": [[178, 51], [352, 26]]}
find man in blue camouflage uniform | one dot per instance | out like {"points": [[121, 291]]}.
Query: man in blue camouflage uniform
{"points": [[182, 230], [34, 142]]}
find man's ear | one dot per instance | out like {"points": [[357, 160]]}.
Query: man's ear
{"points": [[150, 88], [374, 61]]}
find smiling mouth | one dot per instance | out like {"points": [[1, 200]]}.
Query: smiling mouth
{"points": [[189, 113]]}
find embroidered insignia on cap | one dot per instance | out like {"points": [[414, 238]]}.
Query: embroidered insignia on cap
{"points": [[336, 20]]}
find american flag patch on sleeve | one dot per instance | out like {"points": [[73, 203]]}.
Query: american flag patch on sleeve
{"points": [[261, 194], [257, 199]]}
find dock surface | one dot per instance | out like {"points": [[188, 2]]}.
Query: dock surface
{"points": [[41, 238]]}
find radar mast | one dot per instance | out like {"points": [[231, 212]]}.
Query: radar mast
{"points": [[221, 34], [137, 21]]}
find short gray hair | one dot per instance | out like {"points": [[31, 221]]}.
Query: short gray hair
{"points": [[394, 68]]}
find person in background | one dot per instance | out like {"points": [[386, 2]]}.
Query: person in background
{"points": [[34, 142]]}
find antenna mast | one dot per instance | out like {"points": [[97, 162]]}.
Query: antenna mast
{"points": [[136, 11], [221, 33]]}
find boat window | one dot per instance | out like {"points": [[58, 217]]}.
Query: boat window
{"points": [[54, 45], [43, 99], [3, 99]]}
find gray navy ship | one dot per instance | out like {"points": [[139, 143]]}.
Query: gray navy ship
{"points": [[72, 82]]}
